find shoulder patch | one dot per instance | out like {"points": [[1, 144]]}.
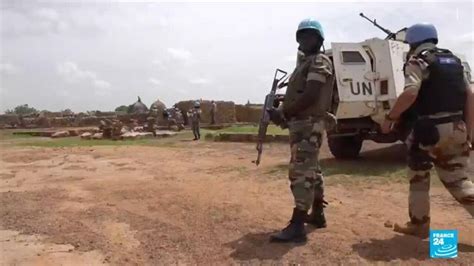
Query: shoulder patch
{"points": [[447, 60]]}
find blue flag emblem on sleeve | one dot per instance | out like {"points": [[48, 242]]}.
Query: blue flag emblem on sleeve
{"points": [[447, 60]]}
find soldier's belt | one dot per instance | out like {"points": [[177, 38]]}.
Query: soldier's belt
{"points": [[312, 119], [441, 115], [443, 120]]}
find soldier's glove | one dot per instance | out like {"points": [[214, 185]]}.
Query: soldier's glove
{"points": [[279, 98], [276, 116], [330, 121]]}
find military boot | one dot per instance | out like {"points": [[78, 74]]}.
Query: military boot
{"points": [[419, 230], [316, 217], [295, 231]]}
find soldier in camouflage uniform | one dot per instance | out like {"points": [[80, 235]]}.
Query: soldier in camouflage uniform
{"points": [[306, 102], [195, 115], [179, 119], [213, 112], [439, 93], [151, 122], [174, 119]]}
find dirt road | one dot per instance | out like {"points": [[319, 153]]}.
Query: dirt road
{"points": [[204, 203]]}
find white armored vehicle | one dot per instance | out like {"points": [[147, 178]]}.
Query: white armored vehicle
{"points": [[369, 78]]}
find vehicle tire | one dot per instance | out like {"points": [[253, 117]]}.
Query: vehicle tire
{"points": [[346, 147]]}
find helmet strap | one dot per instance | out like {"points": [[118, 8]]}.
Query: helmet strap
{"points": [[317, 50]]}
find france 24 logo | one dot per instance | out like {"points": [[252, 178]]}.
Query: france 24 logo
{"points": [[443, 244]]}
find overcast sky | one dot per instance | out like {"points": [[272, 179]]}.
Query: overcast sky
{"points": [[89, 55]]}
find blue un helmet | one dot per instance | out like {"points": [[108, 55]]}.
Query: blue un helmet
{"points": [[311, 23], [421, 32]]}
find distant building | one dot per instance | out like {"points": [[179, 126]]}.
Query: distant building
{"points": [[138, 107]]}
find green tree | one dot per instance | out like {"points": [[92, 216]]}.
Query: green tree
{"points": [[122, 108], [22, 110]]}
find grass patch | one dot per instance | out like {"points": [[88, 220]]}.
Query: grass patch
{"points": [[352, 172], [8, 139], [7, 134], [78, 142], [361, 167], [357, 172], [278, 169], [241, 129], [332, 167], [249, 129], [20, 136]]}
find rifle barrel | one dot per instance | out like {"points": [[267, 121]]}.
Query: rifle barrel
{"points": [[377, 25]]}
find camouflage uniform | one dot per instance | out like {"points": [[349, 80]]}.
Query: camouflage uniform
{"points": [[195, 115], [449, 154], [174, 119], [179, 119], [304, 170], [306, 130], [213, 113], [171, 123], [166, 116], [151, 121]]}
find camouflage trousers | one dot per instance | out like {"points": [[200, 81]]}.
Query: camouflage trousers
{"points": [[171, 122], [450, 156], [213, 118], [196, 131], [151, 126], [305, 173]]}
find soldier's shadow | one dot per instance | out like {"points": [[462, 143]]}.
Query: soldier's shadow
{"points": [[465, 248], [372, 162], [399, 247], [258, 246]]}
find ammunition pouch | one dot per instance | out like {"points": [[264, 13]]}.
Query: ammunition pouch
{"points": [[425, 131]]}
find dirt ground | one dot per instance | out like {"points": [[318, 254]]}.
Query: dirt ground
{"points": [[204, 203]]}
